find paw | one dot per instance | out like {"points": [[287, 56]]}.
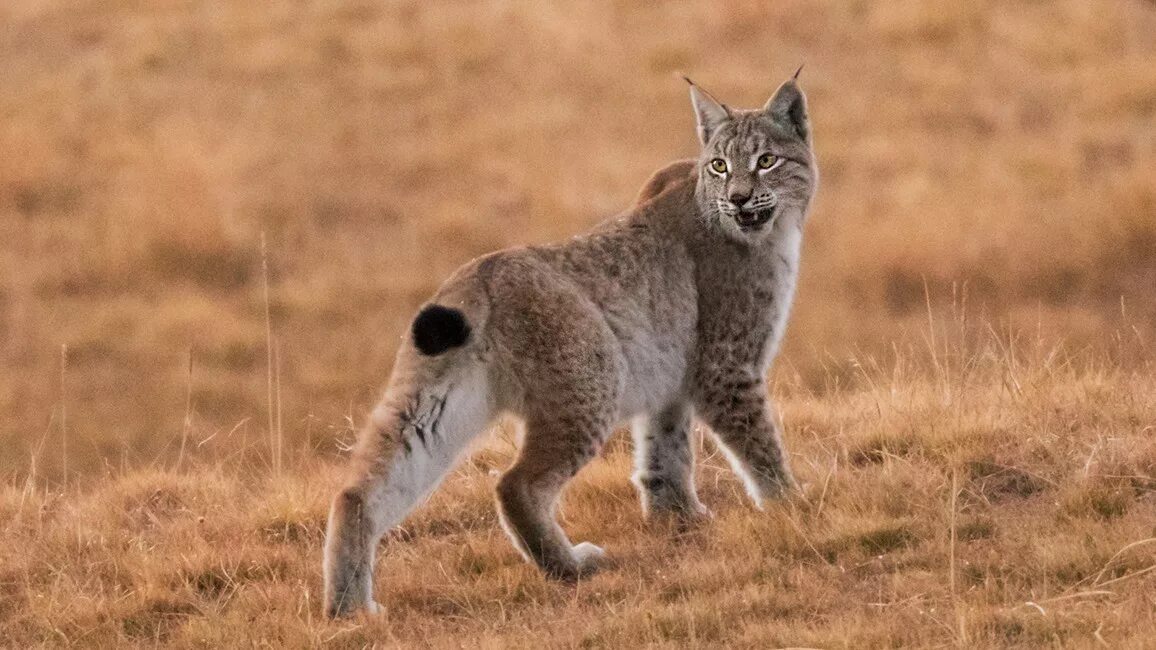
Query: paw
{"points": [[693, 510], [589, 557], [697, 513], [681, 511], [346, 609], [779, 488], [583, 560]]}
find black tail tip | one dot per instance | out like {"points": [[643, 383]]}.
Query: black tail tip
{"points": [[437, 329]]}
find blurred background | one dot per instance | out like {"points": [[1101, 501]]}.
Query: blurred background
{"points": [[992, 164]]}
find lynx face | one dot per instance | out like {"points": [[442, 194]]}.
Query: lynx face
{"points": [[756, 168]]}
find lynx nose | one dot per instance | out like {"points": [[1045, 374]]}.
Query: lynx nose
{"points": [[738, 199]]}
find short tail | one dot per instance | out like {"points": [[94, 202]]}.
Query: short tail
{"points": [[438, 329]]}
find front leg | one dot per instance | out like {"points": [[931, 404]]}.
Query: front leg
{"points": [[664, 464], [739, 411]]}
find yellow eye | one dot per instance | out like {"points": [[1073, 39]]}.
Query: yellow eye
{"points": [[719, 165], [766, 161]]}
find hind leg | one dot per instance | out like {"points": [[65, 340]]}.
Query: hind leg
{"points": [[552, 453], [399, 460], [565, 381], [664, 464], [357, 519]]}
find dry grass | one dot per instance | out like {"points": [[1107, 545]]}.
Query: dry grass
{"points": [[1001, 149], [1035, 480], [987, 165]]}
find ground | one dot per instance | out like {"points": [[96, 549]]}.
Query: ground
{"points": [[1003, 502], [217, 218]]}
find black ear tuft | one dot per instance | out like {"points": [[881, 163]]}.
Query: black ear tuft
{"points": [[437, 329]]}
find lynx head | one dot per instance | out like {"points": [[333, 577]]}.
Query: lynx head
{"points": [[756, 170]]}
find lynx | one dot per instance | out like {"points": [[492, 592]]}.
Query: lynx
{"points": [[672, 310]]}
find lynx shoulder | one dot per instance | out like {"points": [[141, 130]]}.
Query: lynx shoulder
{"points": [[677, 172]]}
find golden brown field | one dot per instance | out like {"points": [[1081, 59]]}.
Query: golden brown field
{"points": [[968, 386]]}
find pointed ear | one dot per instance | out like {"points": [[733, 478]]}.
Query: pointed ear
{"points": [[709, 112], [788, 107]]}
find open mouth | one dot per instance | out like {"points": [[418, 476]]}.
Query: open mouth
{"points": [[755, 220]]}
